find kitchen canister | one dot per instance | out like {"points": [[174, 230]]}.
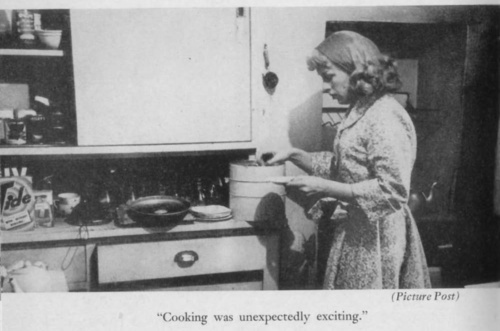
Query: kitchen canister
{"points": [[252, 197]]}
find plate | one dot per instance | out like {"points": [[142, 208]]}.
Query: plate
{"points": [[214, 219], [210, 211], [282, 180]]}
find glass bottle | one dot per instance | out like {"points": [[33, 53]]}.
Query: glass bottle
{"points": [[44, 214], [129, 194], [200, 197], [215, 194]]}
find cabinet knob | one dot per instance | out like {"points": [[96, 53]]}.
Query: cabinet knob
{"points": [[186, 259]]}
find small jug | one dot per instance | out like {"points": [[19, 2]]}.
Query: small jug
{"points": [[418, 200]]}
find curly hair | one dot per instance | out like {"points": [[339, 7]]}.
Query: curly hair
{"points": [[373, 78], [370, 71]]}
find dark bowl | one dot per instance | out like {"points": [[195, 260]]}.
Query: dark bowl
{"points": [[158, 210]]}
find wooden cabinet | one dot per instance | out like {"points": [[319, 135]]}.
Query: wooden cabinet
{"points": [[143, 80], [161, 76], [228, 263], [230, 255], [42, 72]]}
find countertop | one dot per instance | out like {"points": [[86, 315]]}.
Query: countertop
{"points": [[64, 232]]}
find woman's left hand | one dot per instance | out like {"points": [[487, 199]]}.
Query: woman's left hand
{"points": [[309, 184], [316, 185]]}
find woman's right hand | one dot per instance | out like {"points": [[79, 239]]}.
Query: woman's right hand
{"points": [[297, 156], [274, 157]]}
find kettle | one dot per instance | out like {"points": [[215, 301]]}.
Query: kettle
{"points": [[418, 200]]}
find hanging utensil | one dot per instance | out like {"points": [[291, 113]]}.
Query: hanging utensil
{"points": [[270, 79]]}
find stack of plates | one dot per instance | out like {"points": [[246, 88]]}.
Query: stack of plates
{"points": [[211, 213]]}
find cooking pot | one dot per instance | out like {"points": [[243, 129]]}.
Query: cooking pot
{"points": [[158, 210]]}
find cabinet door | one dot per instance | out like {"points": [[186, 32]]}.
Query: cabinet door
{"points": [[71, 260], [161, 76]]}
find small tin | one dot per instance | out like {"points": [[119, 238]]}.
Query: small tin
{"points": [[15, 131]]}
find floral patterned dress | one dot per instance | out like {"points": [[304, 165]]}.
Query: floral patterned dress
{"points": [[378, 244]]}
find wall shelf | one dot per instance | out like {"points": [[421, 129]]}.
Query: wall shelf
{"points": [[131, 150], [31, 52]]}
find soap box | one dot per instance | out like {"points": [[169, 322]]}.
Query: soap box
{"points": [[17, 202]]}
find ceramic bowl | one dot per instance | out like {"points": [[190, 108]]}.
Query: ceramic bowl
{"points": [[50, 38]]}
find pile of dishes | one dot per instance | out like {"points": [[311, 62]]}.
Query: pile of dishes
{"points": [[211, 213]]}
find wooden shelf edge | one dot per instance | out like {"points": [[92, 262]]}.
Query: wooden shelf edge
{"points": [[118, 150], [31, 52]]}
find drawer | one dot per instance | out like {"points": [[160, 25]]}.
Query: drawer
{"points": [[167, 259], [72, 260]]}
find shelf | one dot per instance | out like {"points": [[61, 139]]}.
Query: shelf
{"points": [[31, 52], [68, 151]]}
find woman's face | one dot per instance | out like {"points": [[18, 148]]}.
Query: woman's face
{"points": [[338, 81]]}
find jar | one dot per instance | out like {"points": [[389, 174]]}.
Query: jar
{"points": [[44, 214]]}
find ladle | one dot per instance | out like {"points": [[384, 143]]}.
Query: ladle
{"points": [[270, 79]]}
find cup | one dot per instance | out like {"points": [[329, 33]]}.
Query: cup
{"points": [[66, 202]]}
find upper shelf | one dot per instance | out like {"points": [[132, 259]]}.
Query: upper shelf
{"points": [[75, 151], [31, 52]]}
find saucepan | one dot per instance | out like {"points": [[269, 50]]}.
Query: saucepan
{"points": [[158, 210]]}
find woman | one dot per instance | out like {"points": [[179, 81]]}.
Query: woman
{"points": [[378, 246]]}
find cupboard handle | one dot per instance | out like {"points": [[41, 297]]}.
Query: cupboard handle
{"points": [[186, 259]]}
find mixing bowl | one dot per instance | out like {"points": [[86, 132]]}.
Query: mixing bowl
{"points": [[158, 210]]}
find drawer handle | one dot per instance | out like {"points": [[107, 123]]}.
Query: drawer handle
{"points": [[185, 259]]}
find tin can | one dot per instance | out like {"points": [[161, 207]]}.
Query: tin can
{"points": [[36, 129], [15, 132]]}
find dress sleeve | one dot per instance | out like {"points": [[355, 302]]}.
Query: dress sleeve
{"points": [[321, 164], [391, 149]]}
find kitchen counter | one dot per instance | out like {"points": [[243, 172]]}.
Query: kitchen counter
{"points": [[103, 257], [63, 231]]}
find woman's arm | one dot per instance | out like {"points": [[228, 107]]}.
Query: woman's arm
{"points": [[302, 159], [390, 142], [391, 150], [329, 188]]}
